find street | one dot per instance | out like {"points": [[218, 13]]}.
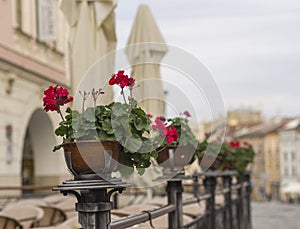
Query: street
{"points": [[274, 215]]}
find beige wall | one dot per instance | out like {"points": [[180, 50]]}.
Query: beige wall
{"points": [[258, 167], [27, 67], [272, 162]]}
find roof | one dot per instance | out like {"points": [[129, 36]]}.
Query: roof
{"points": [[292, 125], [263, 128]]}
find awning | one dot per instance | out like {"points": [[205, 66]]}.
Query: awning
{"points": [[292, 187]]}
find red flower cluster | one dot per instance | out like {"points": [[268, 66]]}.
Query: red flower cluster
{"points": [[171, 134], [121, 80], [170, 131], [56, 97], [159, 124], [234, 144]]}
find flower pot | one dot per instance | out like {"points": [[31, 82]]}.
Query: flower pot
{"points": [[91, 156], [175, 157], [210, 162]]}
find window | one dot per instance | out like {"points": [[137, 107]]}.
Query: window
{"points": [[285, 156], [18, 13], [294, 173], [293, 156], [47, 20], [286, 172]]}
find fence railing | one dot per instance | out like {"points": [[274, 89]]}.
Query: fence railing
{"points": [[233, 213]]}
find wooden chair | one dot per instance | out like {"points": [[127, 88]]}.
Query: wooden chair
{"points": [[52, 216], [25, 215], [7, 222]]}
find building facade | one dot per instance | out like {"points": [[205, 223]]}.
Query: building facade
{"points": [[272, 164], [289, 138], [32, 57]]}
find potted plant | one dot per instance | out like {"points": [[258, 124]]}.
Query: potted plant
{"points": [[100, 138], [230, 156], [178, 146], [242, 154], [211, 155]]}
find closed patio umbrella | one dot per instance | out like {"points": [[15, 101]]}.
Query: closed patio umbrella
{"points": [[145, 58], [91, 36]]}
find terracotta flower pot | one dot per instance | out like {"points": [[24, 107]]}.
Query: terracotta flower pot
{"points": [[91, 156], [175, 156]]}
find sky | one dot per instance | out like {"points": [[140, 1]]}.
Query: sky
{"points": [[250, 47]]}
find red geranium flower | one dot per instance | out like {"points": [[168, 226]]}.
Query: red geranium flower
{"points": [[121, 79], [159, 124], [131, 82], [171, 134], [54, 97], [234, 144]]}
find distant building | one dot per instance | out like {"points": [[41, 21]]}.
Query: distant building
{"points": [[234, 121], [243, 117], [32, 57], [266, 167], [289, 138]]}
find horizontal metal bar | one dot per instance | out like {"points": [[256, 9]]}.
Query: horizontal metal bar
{"points": [[142, 217], [223, 191], [216, 174], [236, 186], [196, 220], [194, 200], [27, 187]]}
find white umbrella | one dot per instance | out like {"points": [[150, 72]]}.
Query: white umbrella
{"points": [[92, 35], [145, 59], [292, 187]]}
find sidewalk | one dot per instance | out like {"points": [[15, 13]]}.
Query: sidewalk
{"points": [[275, 215]]}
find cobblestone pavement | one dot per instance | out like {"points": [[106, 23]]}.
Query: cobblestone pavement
{"points": [[275, 215]]}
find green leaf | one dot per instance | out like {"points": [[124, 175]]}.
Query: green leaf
{"points": [[89, 114], [79, 133], [126, 170], [56, 148], [61, 131], [141, 171], [119, 109], [133, 144], [68, 110], [106, 124], [140, 124], [132, 102]]}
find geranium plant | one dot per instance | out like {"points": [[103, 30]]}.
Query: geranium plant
{"points": [[123, 122], [175, 132], [241, 154], [164, 133], [228, 155], [186, 135]]}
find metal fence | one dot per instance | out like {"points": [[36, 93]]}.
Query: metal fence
{"points": [[234, 213]]}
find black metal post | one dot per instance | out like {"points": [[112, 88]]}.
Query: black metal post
{"points": [[94, 209], [210, 187], [196, 186], [227, 182], [116, 201], [240, 212], [93, 198], [248, 222], [174, 189]]}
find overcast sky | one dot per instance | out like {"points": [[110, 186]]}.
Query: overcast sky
{"points": [[251, 47]]}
